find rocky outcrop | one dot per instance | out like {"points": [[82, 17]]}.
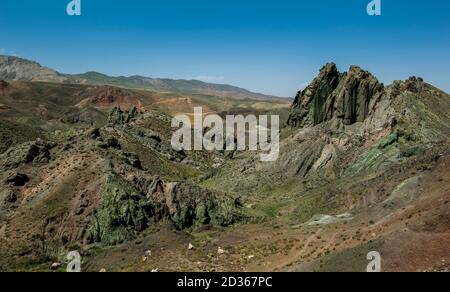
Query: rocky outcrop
{"points": [[131, 159], [154, 141], [110, 143], [17, 179], [37, 152], [413, 85], [191, 206], [128, 208], [124, 212], [120, 117], [348, 97]]}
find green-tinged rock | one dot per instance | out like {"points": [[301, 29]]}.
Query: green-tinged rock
{"points": [[132, 159], [379, 156], [120, 117], [110, 143], [405, 192], [192, 206], [390, 140], [412, 151], [125, 211], [123, 214], [36, 152]]}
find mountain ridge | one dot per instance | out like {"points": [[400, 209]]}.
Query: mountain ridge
{"points": [[15, 68]]}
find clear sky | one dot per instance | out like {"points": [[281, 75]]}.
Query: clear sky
{"points": [[273, 47]]}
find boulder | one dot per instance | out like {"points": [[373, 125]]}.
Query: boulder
{"points": [[17, 180], [94, 133]]}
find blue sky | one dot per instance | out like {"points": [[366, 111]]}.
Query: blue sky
{"points": [[273, 47]]}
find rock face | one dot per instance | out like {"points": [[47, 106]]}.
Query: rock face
{"points": [[191, 206], [349, 97], [124, 212], [127, 209]]}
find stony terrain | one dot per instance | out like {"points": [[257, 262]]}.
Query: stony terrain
{"points": [[363, 167]]}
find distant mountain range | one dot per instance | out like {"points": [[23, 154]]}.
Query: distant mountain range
{"points": [[14, 68]]}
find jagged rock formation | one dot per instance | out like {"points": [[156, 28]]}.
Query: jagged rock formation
{"points": [[119, 117], [127, 210], [189, 205], [346, 124], [413, 84], [124, 212], [349, 97]]}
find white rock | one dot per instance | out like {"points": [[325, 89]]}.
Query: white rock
{"points": [[220, 250], [191, 247], [55, 266]]}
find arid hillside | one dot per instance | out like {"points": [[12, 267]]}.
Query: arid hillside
{"points": [[89, 167]]}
